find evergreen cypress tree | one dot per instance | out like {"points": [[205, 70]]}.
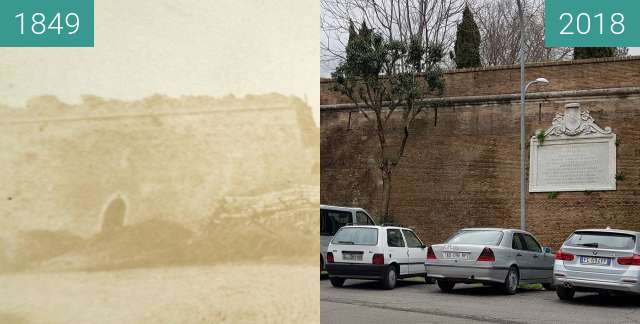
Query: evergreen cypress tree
{"points": [[593, 52], [467, 48]]}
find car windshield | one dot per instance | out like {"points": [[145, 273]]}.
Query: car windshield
{"points": [[480, 237], [356, 236], [602, 240]]}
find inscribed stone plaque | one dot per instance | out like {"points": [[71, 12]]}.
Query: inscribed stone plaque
{"points": [[575, 155]]}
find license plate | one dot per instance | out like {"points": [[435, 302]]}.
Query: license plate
{"points": [[455, 255], [595, 261], [352, 256]]}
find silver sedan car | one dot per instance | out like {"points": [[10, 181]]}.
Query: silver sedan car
{"points": [[492, 256], [598, 260]]}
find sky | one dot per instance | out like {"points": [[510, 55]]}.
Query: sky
{"points": [[176, 48]]}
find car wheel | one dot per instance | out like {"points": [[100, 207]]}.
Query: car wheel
{"points": [[565, 293], [511, 281], [445, 285], [427, 280], [548, 286], [336, 282], [321, 263], [390, 278]]}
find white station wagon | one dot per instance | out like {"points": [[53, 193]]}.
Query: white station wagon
{"points": [[598, 260], [384, 253]]}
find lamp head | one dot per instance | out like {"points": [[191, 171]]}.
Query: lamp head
{"points": [[542, 80]]}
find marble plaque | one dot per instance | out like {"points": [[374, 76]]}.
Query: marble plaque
{"points": [[576, 155]]}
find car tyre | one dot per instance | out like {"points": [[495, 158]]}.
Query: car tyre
{"points": [[321, 263], [390, 278], [427, 280], [565, 293], [511, 282], [446, 285], [337, 282]]}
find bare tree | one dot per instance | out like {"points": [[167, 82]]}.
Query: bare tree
{"points": [[428, 21], [500, 33]]}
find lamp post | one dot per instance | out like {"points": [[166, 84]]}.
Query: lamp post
{"points": [[523, 91], [542, 81]]}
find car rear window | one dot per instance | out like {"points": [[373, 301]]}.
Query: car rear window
{"points": [[356, 236], [489, 237], [332, 220], [602, 240]]}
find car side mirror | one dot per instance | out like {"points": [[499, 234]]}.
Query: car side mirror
{"points": [[547, 249]]}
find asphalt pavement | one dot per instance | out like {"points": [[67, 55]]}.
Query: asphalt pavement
{"points": [[413, 301]]}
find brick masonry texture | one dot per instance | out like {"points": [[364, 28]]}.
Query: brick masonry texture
{"points": [[461, 165], [569, 75]]}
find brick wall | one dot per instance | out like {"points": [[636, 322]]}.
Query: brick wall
{"points": [[568, 75], [461, 165]]}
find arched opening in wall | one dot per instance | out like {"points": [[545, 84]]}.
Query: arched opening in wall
{"points": [[113, 215]]}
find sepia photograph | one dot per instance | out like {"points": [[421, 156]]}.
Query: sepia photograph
{"points": [[158, 178]]}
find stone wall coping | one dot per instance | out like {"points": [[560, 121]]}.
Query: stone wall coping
{"points": [[502, 98]]}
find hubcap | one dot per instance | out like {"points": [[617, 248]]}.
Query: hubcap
{"points": [[512, 280], [392, 277]]}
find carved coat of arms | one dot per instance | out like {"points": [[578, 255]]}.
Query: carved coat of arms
{"points": [[574, 121]]}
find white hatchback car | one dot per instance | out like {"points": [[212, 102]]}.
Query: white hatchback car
{"points": [[384, 253]]}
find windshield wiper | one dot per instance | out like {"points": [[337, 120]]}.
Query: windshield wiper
{"points": [[593, 245], [345, 242]]}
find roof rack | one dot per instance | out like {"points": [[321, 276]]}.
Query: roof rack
{"points": [[391, 224]]}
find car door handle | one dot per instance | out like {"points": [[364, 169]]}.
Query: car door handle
{"points": [[518, 254], [535, 256]]}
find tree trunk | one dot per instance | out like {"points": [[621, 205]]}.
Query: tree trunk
{"points": [[386, 191]]}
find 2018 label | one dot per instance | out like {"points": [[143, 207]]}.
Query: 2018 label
{"points": [[583, 23], [591, 23]]}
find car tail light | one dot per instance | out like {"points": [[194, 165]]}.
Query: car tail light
{"points": [[430, 254], [487, 255], [564, 256], [329, 257], [631, 260], [378, 259]]}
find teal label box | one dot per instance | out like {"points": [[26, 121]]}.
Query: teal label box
{"points": [[594, 23], [46, 23]]}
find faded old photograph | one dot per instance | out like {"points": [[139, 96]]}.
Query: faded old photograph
{"points": [[158, 178]]}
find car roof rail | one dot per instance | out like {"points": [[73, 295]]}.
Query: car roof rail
{"points": [[391, 224]]}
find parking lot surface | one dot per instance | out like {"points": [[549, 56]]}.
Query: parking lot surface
{"points": [[362, 301]]}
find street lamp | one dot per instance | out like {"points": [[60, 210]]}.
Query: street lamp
{"points": [[523, 90], [541, 81]]}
